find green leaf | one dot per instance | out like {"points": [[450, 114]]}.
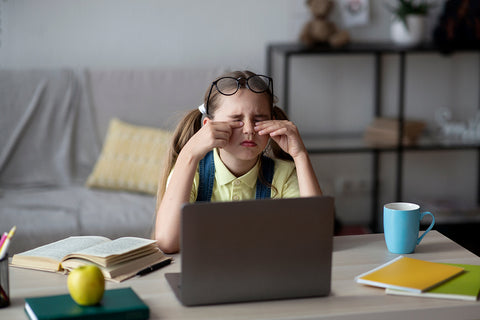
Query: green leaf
{"points": [[405, 8]]}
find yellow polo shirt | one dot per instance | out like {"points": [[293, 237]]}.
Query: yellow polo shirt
{"points": [[228, 187]]}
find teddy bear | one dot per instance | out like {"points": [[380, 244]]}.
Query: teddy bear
{"points": [[320, 30]]}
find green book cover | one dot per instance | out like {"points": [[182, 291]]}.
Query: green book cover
{"points": [[116, 304], [465, 286]]}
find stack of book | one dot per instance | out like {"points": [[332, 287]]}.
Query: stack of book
{"points": [[413, 277], [119, 259], [121, 303], [385, 132]]}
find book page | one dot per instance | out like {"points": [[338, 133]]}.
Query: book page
{"points": [[57, 250], [120, 271], [115, 247]]}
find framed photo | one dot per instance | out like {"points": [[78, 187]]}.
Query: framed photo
{"points": [[354, 12]]}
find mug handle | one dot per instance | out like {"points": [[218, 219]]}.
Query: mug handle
{"points": [[429, 228]]}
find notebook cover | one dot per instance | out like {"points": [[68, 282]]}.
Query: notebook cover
{"points": [[409, 274], [466, 286], [116, 304]]}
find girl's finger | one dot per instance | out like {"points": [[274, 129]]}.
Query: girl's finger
{"points": [[264, 124], [273, 128], [271, 125], [279, 132], [235, 124], [231, 124], [222, 136]]}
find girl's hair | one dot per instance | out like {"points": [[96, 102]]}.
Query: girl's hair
{"points": [[192, 122]]}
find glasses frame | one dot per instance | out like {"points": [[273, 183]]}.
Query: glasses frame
{"points": [[240, 83]]}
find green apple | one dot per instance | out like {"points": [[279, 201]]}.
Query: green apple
{"points": [[86, 285]]}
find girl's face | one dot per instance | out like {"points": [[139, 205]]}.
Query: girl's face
{"points": [[250, 108]]}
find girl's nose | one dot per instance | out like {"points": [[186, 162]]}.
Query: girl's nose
{"points": [[248, 127]]}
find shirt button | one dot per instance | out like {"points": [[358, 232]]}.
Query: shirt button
{"points": [[236, 182], [235, 197]]}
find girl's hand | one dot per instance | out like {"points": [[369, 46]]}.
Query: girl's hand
{"points": [[213, 134], [285, 134]]}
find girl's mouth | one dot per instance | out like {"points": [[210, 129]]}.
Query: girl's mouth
{"points": [[248, 143]]}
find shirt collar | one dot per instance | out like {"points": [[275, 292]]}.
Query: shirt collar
{"points": [[224, 176]]}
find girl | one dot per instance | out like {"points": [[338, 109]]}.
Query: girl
{"points": [[217, 153]]}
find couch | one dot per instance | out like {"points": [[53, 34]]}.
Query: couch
{"points": [[54, 127]]}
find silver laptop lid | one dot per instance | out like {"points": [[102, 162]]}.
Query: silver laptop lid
{"points": [[256, 250]]}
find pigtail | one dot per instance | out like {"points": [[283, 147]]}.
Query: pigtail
{"points": [[188, 126]]}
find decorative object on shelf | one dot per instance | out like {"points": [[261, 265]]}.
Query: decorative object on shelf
{"points": [[451, 130], [384, 132], [409, 19], [355, 12], [458, 26], [320, 30]]}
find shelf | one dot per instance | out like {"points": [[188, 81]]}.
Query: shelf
{"points": [[354, 143], [357, 48], [450, 211], [336, 143]]}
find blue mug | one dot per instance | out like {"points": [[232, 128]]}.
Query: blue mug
{"points": [[401, 224]]}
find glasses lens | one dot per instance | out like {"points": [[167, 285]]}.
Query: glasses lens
{"points": [[227, 86], [258, 83]]}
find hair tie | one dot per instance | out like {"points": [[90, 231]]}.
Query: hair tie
{"points": [[202, 109]]}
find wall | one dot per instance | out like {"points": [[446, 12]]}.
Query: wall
{"points": [[118, 33], [330, 93]]}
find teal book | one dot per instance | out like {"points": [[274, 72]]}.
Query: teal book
{"points": [[116, 304], [465, 286]]}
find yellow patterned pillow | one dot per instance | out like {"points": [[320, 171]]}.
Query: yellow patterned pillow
{"points": [[131, 159]]}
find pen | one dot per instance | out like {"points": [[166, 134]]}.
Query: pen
{"points": [[154, 267], [6, 244]]}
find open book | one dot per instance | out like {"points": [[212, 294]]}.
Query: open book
{"points": [[118, 259]]}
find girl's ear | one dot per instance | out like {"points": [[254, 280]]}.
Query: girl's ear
{"points": [[205, 120]]}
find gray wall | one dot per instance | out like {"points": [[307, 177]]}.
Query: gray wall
{"points": [[329, 93]]}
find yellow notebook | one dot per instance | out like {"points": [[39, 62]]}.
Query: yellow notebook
{"points": [[409, 274]]}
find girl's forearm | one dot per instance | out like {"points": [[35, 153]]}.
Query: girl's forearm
{"points": [[307, 181], [167, 224]]}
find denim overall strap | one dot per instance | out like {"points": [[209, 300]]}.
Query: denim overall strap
{"points": [[206, 170], [263, 191]]}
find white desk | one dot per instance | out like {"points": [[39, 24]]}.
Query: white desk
{"points": [[352, 256]]}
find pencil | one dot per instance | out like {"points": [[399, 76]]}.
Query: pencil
{"points": [[6, 244]]}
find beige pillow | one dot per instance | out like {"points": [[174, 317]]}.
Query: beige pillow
{"points": [[131, 158]]}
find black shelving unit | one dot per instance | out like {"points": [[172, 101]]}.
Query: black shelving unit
{"points": [[340, 144]]}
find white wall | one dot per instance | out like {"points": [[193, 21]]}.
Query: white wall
{"points": [[112, 33], [234, 34], [120, 33]]}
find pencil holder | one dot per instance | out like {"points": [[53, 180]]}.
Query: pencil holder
{"points": [[4, 285]]}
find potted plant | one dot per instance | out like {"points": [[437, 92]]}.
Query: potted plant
{"points": [[409, 18]]}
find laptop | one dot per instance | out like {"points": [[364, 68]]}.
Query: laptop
{"points": [[254, 250]]}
